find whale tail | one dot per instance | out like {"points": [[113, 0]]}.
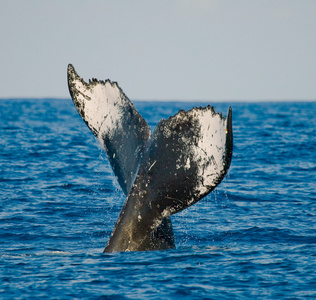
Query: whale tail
{"points": [[161, 173], [188, 156]]}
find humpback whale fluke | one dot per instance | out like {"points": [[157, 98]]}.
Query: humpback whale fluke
{"points": [[161, 173]]}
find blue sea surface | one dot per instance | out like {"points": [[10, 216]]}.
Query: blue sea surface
{"points": [[254, 237]]}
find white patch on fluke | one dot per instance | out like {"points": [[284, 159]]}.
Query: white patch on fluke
{"points": [[210, 150], [188, 164], [92, 98]]}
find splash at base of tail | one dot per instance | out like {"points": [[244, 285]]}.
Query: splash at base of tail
{"points": [[161, 173]]}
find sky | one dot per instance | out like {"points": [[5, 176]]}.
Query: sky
{"points": [[218, 50]]}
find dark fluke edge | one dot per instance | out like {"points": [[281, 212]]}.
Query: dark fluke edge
{"points": [[161, 173]]}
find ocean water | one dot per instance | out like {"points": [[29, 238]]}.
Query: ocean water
{"points": [[254, 237]]}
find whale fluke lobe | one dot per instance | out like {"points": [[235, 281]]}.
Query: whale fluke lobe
{"points": [[111, 116], [161, 173]]}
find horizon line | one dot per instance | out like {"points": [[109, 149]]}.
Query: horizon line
{"points": [[173, 100]]}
